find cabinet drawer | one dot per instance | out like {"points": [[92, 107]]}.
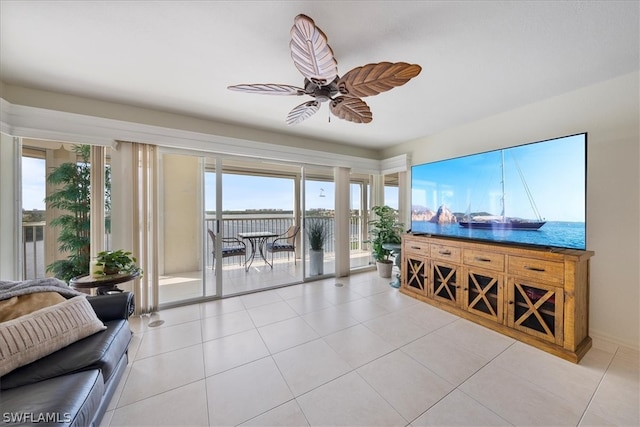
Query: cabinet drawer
{"points": [[416, 247], [444, 252], [546, 271], [488, 260]]}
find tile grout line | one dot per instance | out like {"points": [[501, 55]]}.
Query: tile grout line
{"points": [[204, 364], [604, 373]]}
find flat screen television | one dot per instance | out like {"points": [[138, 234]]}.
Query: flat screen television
{"points": [[532, 194]]}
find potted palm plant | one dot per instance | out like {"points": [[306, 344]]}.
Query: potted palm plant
{"points": [[317, 233], [71, 195], [385, 228], [71, 182]]}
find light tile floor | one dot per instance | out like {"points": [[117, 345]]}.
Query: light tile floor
{"points": [[358, 355]]}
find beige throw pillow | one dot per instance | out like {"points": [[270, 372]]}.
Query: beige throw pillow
{"points": [[12, 308], [30, 337]]}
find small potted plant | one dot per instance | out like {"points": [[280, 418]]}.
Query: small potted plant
{"points": [[115, 262], [317, 233], [385, 228]]}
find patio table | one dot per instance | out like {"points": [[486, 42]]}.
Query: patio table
{"points": [[257, 239]]}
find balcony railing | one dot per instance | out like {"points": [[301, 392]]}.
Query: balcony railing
{"points": [[232, 225], [33, 250]]}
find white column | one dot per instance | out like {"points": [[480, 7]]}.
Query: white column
{"points": [[341, 177], [182, 208]]}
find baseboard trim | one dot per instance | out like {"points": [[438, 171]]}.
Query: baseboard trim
{"points": [[599, 337]]}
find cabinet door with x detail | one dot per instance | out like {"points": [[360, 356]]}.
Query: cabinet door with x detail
{"points": [[444, 283], [415, 273], [536, 309], [483, 294]]}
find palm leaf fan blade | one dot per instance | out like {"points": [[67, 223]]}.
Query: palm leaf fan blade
{"points": [[351, 109], [268, 89], [372, 79], [311, 53], [302, 112]]}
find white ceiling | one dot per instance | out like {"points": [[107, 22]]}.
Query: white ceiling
{"points": [[478, 58]]}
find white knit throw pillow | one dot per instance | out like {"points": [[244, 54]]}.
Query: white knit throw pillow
{"points": [[30, 337]]}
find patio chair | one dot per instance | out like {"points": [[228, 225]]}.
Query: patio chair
{"points": [[286, 242], [231, 246]]}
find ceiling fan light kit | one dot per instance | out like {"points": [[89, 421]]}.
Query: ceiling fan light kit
{"points": [[314, 58]]}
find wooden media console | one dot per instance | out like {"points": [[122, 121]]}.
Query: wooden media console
{"points": [[535, 295]]}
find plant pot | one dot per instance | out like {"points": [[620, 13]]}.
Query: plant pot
{"points": [[384, 268], [316, 262]]}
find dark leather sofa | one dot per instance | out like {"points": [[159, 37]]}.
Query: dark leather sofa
{"points": [[74, 385]]}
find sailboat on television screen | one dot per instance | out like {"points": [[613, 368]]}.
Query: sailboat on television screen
{"points": [[502, 222]]}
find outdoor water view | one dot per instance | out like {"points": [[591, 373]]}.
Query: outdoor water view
{"points": [[33, 216], [253, 203]]}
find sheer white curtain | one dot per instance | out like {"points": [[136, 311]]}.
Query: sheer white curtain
{"points": [[342, 178], [10, 215], [377, 190], [134, 215], [98, 165]]}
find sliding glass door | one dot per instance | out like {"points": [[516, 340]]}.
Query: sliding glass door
{"points": [[261, 217], [319, 222], [181, 203], [228, 226], [359, 253], [231, 226]]}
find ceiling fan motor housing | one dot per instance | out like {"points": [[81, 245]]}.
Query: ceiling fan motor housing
{"points": [[321, 93]]}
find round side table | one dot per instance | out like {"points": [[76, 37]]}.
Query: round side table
{"points": [[103, 284]]}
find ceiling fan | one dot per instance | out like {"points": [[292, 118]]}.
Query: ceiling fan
{"points": [[313, 57]]}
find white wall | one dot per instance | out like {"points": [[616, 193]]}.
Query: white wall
{"points": [[609, 112]]}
